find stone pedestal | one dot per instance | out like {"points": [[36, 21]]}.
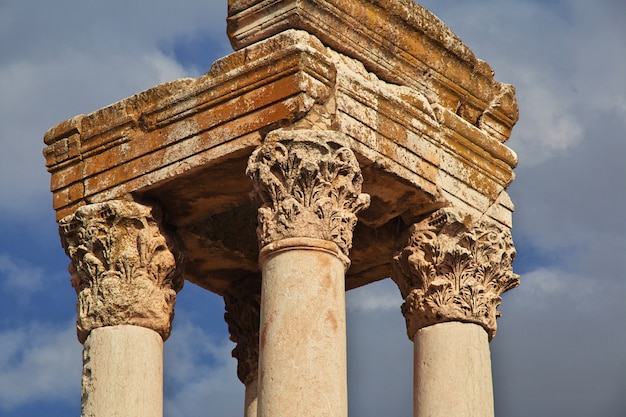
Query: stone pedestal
{"points": [[122, 372], [452, 371], [302, 365]]}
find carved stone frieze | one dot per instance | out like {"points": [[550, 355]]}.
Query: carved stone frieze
{"points": [[243, 307], [122, 266], [307, 183], [454, 270]]}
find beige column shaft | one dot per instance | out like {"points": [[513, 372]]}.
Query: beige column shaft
{"points": [[123, 372], [452, 371], [251, 399], [302, 361]]}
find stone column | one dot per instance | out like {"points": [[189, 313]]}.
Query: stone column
{"points": [[243, 304], [451, 275], [308, 187], [126, 279]]}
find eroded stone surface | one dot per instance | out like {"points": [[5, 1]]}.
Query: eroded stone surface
{"points": [[399, 41], [452, 361], [307, 184], [302, 344], [123, 267], [122, 372], [186, 144], [178, 127], [454, 269], [243, 308]]}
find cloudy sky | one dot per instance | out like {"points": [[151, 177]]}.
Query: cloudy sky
{"points": [[561, 343]]}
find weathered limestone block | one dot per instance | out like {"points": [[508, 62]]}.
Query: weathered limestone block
{"points": [[399, 41], [398, 130], [123, 267], [454, 269], [177, 127], [307, 184]]}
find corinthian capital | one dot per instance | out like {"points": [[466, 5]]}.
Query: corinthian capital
{"points": [[454, 270], [307, 184], [243, 308], [122, 267]]}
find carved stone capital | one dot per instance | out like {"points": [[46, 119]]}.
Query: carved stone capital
{"points": [[243, 308], [454, 270], [122, 265], [307, 184]]}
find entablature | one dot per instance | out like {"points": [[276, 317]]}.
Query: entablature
{"points": [[185, 146]]}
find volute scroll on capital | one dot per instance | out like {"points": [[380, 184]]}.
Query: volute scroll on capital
{"points": [[454, 269], [307, 183], [123, 267]]}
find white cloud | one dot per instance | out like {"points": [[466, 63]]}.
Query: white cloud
{"points": [[91, 55], [558, 350], [547, 126], [38, 94], [18, 275], [566, 60], [544, 282], [39, 362], [543, 287]]}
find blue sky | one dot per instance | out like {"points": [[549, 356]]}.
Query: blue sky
{"points": [[561, 343]]}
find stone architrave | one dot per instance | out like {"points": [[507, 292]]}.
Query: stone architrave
{"points": [[122, 266], [126, 277], [308, 186], [243, 305], [451, 275]]}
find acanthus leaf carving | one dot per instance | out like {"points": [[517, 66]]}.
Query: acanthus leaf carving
{"points": [[122, 266], [307, 184], [242, 301], [454, 270]]}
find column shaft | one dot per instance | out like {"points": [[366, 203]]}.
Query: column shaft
{"points": [[302, 364], [251, 399], [452, 371], [122, 372]]}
